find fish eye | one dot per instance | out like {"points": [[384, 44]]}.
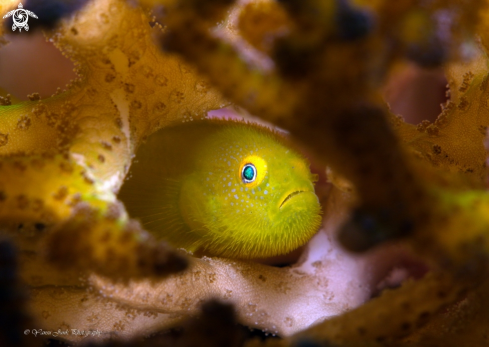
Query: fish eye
{"points": [[252, 171], [248, 173]]}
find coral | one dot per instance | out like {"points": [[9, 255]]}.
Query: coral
{"points": [[131, 92], [399, 194], [316, 70]]}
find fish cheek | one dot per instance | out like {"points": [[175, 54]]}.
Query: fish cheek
{"points": [[195, 201]]}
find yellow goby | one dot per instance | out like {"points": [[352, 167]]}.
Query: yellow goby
{"points": [[223, 188]]}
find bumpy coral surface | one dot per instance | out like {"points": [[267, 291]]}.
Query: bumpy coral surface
{"points": [[314, 68]]}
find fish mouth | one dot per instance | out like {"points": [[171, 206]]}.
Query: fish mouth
{"points": [[288, 197]]}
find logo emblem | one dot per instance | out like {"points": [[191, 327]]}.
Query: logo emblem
{"points": [[20, 18]]}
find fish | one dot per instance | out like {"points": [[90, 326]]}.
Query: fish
{"points": [[223, 188]]}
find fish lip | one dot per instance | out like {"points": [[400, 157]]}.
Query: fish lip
{"points": [[288, 197]]}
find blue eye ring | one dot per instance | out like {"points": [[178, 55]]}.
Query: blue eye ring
{"points": [[248, 173]]}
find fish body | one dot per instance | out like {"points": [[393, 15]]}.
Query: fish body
{"points": [[223, 188]]}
